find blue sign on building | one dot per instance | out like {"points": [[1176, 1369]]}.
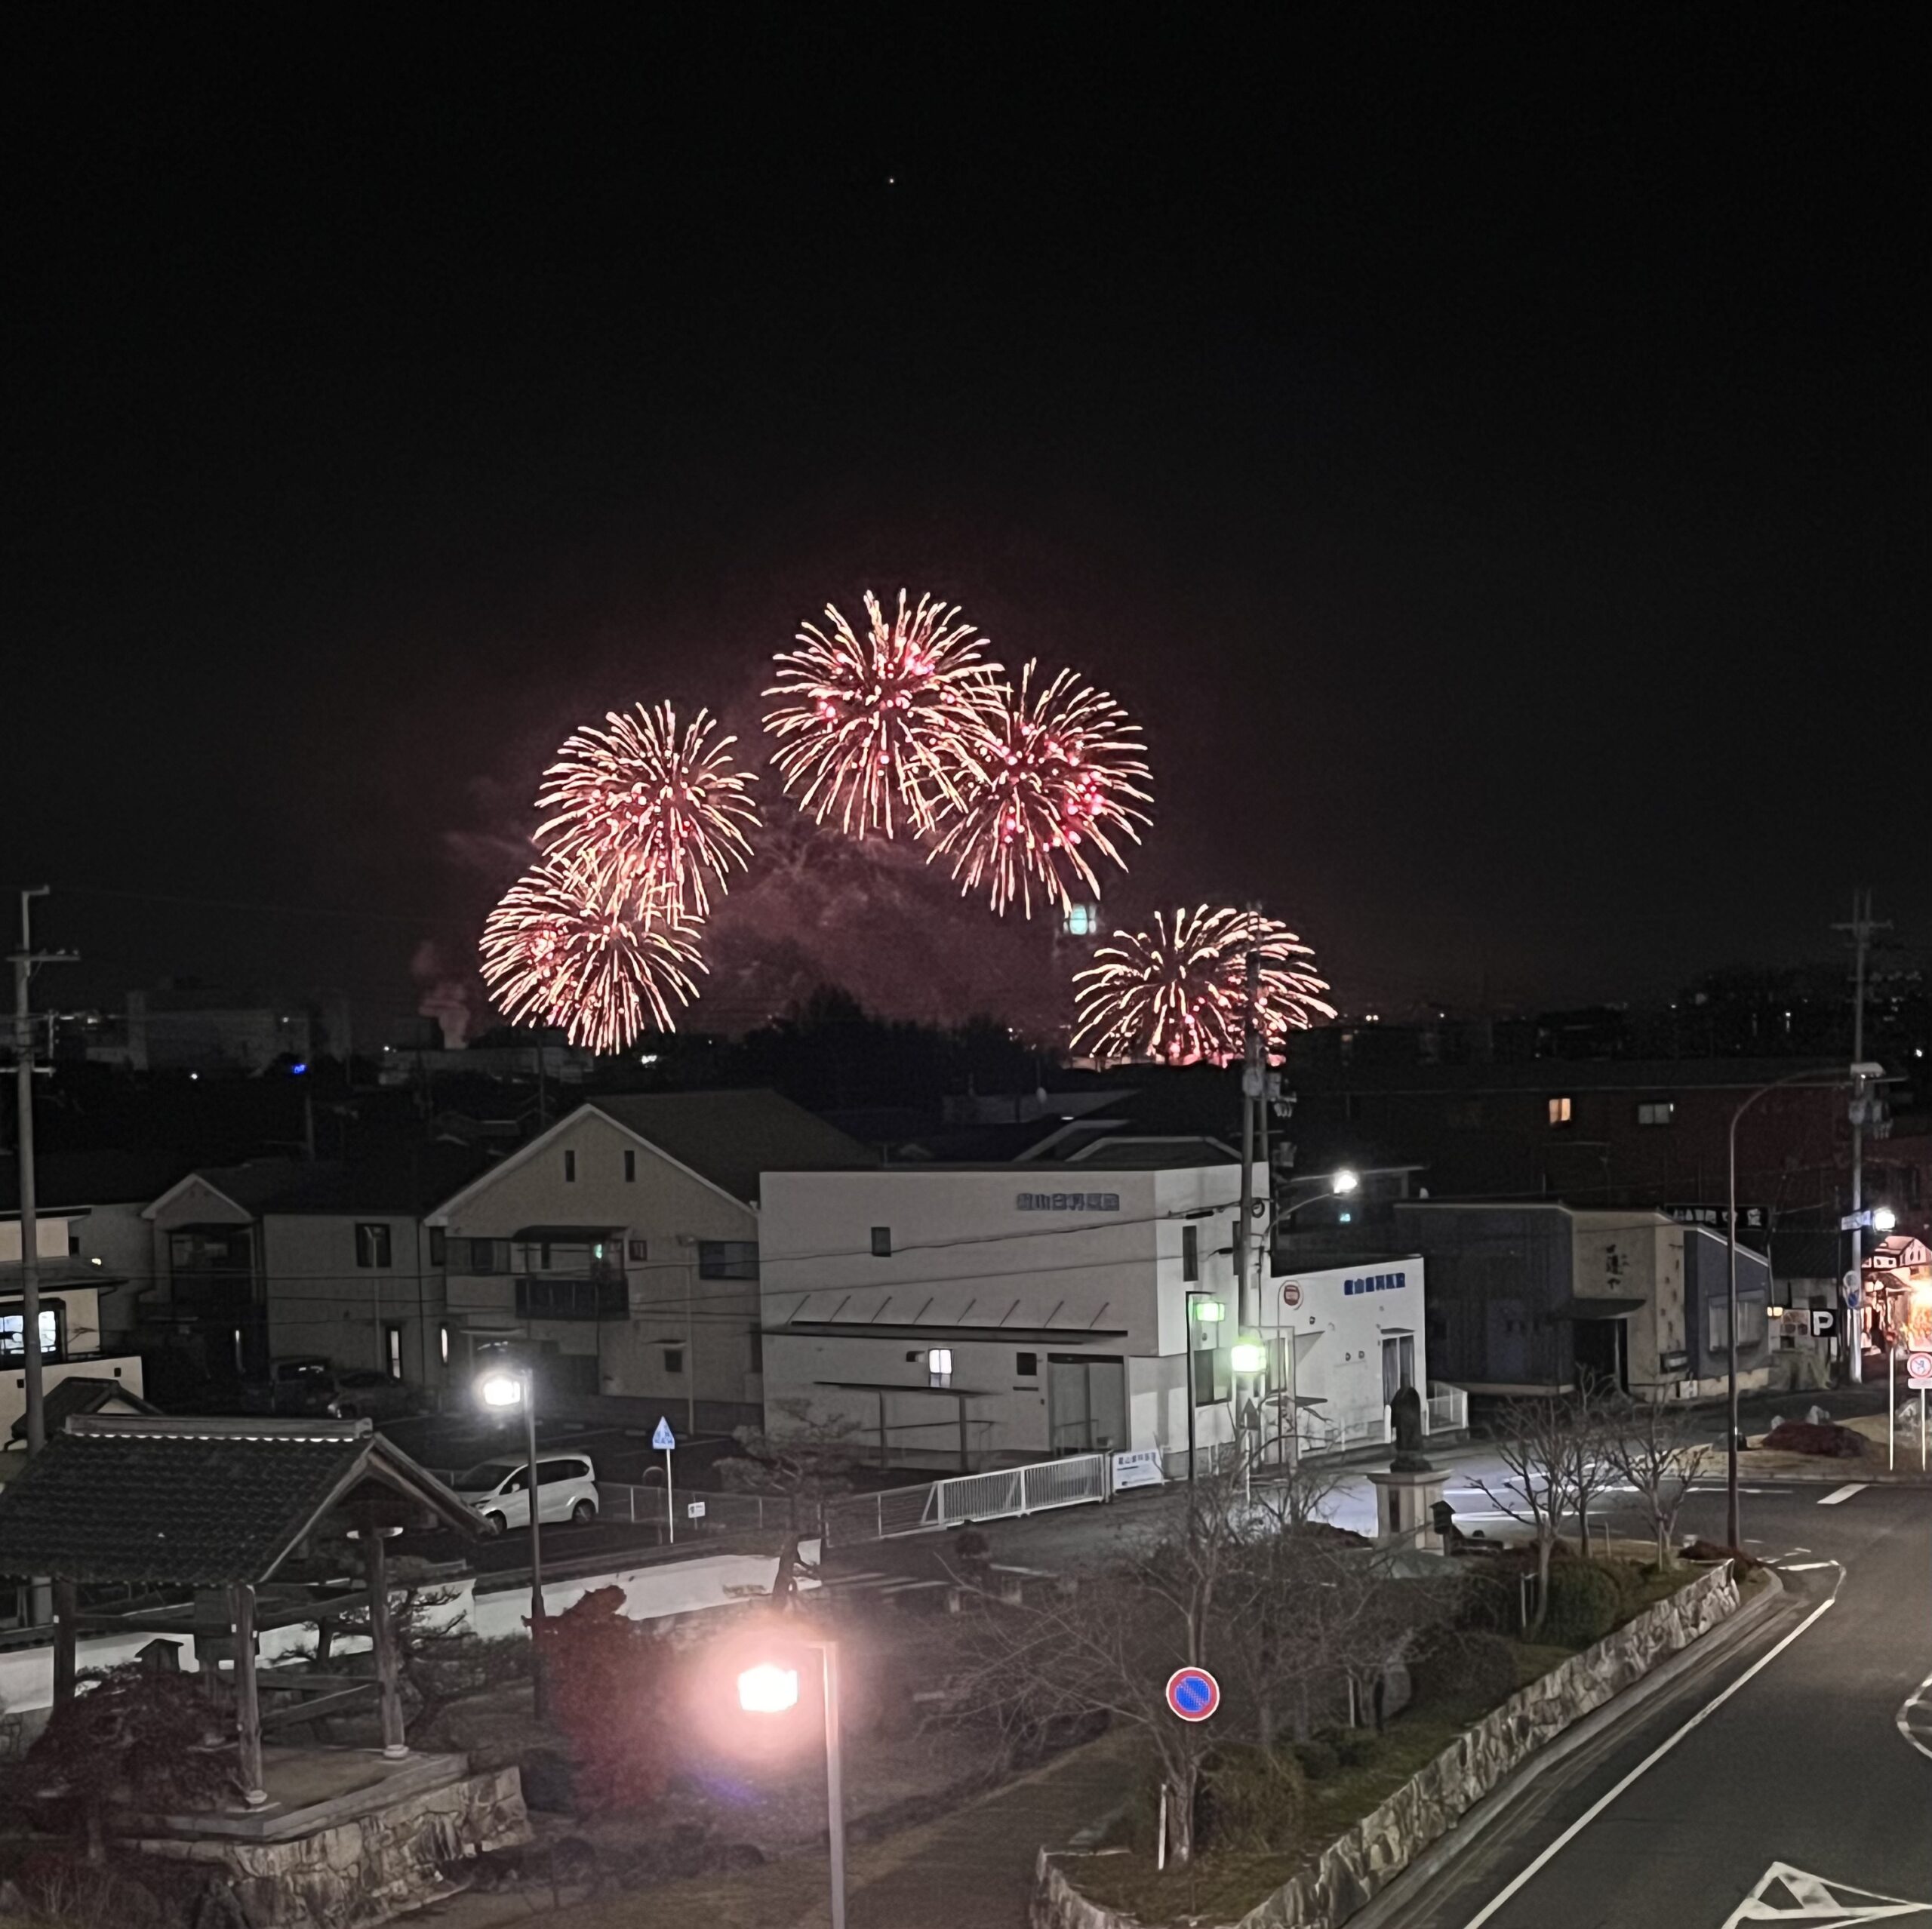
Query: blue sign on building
{"points": [[1375, 1282]]}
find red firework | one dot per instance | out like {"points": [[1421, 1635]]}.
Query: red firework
{"points": [[1179, 993], [878, 728], [1054, 776], [640, 805], [565, 947]]}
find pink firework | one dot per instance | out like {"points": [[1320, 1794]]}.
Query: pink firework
{"points": [[1180, 992], [879, 728], [641, 804], [565, 947], [1054, 778]]}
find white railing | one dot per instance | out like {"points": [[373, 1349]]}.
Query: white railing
{"points": [[997, 1495], [1448, 1408]]}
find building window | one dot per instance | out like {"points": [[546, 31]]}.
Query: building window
{"points": [[630, 1167], [939, 1367], [1211, 1383], [439, 1246], [1027, 1365], [1190, 1252], [479, 1255], [881, 1242], [674, 1359], [443, 1344], [570, 1168], [372, 1244], [392, 1350], [1655, 1113], [758, 1347], [727, 1259], [639, 1251], [12, 1327], [1753, 1317], [1559, 1111]]}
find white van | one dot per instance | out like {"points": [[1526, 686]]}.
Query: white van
{"points": [[499, 1491]]}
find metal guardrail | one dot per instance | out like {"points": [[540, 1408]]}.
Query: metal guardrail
{"points": [[1000, 1493]]}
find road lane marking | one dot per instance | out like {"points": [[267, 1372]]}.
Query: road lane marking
{"points": [[1821, 1900], [1920, 1697], [1844, 1493], [1650, 1761], [1803, 1567]]}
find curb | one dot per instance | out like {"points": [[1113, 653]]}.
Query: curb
{"points": [[1406, 1889]]}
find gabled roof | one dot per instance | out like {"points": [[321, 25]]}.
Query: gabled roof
{"points": [[402, 1184], [202, 1502], [83, 1393], [726, 1139]]}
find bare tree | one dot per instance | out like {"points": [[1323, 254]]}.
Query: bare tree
{"points": [[1597, 1416], [805, 1463], [1658, 1452], [1110, 1648], [1536, 1443]]}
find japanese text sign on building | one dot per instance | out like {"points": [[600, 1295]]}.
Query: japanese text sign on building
{"points": [[1068, 1202]]}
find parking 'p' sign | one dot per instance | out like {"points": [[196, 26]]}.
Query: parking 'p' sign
{"points": [[1193, 1693]]}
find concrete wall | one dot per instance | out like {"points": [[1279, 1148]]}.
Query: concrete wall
{"points": [[1637, 1255], [1339, 1333], [320, 1300], [966, 1253]]}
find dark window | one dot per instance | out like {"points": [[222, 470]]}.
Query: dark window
{"points": [[1027, 1365], [479, 1256], [630, 1167], [570, 1168], [1190, 1252], [674, 1359], [1211, 1382], [551, 1473], [757, 1349], [640, 1251], [73, 1245], [439, 1246], [727, 1259], [881, 1242], [372, 1244]]}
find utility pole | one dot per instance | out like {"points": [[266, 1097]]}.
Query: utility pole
{"points": [[1860, 930], [25, 959]]}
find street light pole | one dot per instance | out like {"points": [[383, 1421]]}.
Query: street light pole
{"points": [[500, 1388], [772, 1688], [1858, 1072]]}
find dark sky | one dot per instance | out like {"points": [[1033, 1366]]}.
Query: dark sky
{"points": [[1486, 446]]}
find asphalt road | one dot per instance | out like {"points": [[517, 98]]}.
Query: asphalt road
{"points": [[1780, 1773]]}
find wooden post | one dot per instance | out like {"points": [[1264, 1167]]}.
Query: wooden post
{"points": [[382, 1637], [64, 1611], [248, 1707]]}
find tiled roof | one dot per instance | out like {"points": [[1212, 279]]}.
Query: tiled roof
{"points": [[82, 1393], [730, 1137], [194, 1502]]}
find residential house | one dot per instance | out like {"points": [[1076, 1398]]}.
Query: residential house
{"points": [[625, 1244]]}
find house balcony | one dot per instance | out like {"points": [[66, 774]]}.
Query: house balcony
{"points": [[561, 1296]]}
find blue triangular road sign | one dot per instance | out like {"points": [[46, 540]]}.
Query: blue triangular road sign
{"points": [[664, 1439]]}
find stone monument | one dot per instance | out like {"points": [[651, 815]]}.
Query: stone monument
{"points": [[1410, 1488]]}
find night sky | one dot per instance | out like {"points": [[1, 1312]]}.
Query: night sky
{"points": [[1486, 446]]}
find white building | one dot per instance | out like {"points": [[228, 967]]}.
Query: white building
{"points": [[968, 1316]]}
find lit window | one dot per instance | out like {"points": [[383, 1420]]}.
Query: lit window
{"points": [[939, 1367], [1082, 920], [1559, 1111], [1657, 1112], [443, 1343]]}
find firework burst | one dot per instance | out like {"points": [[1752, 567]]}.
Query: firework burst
{"points": [[1054, 776], [1179, 993], [879, 728], [640, 806], [567, 947]]}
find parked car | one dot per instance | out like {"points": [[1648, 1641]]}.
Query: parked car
{"points": [[313, 1387], [498, 1490]]}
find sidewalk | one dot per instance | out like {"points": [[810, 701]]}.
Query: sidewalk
{"points": [[973, 1869]]}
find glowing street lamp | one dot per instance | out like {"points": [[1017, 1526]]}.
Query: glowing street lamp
{"points": [[1344, 1181], [772, 1688], [1247, 1356], [1883, 1219], [500, 1389]]}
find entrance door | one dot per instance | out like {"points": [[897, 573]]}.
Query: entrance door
{"points": [[1086, 1403], [1399, 1364], [1598, 1345]]}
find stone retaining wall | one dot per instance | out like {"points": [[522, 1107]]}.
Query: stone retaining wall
{"points": [[1385, 1841], [366, 1870]]}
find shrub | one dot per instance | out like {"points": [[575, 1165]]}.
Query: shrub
{"points": [[609, 1683], [1354, 1747], [1583, 1603], [1825, 1437], [1251, 1799], [1316, 1759], [1473, 1667]]}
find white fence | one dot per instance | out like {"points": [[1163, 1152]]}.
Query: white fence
{"points": [[1001, 1494], [1448, 1408]]}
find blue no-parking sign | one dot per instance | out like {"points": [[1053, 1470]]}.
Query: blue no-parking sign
{"points": [[1193, 1693]]}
